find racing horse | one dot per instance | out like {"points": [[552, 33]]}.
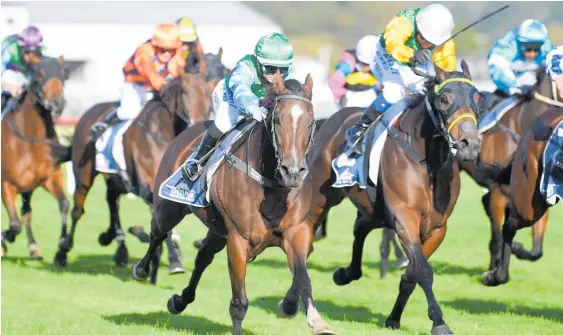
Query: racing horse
{"points": [[27, 137], [417, 153], [498, 145], [525, 176], [181, 102], [248, 214]]}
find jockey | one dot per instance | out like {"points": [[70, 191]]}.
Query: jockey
{"points": [[189, 38], [352, 61], [515, 57], [146, 70], [413, 38], [242, 90], [19, 53], [554, 68]]}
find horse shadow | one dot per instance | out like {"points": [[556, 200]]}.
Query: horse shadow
{"points": [[93, 265], [438, 267], [196, 324], [338, 312], [486, 307]]}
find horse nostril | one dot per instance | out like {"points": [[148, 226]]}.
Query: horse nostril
{"points": [[464, 143], [284, 170]]}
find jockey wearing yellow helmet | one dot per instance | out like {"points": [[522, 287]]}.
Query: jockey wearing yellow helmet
{"points": [[190, 40]]}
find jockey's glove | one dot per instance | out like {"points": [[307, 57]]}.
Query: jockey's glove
{"points": [[257, 113], [526, 90], [421, 57]]}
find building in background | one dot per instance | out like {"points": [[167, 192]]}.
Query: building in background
{"points": [[96, 38]]}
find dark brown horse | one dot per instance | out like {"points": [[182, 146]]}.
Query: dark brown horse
{"points": [[245, 215], [182, 102], [418, 155], [498, 145], [526, 204], [27, 161]]}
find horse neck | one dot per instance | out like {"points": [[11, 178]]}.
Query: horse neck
{"points": [[530, 110], [158, 119], [29, 116], [425, 137]]}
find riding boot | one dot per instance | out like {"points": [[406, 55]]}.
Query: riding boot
{"points": [[356, 132], [99, 128], [174, 253], [191, 168]]}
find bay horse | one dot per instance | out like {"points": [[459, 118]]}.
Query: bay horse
{"points": [[418, 154], [27, 160], [245, 215], [181, 103], [526, 204], [498, 145]]}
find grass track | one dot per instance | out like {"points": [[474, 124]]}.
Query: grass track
{"points": [[94, 297]]}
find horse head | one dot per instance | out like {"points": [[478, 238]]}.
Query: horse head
{"points": [[291, 124], [452, 103], [47, 84]]}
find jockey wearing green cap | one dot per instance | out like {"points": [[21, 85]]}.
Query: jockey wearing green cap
{"points": [[241, 91]]}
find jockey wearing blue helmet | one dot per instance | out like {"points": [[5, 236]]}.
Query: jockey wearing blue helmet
{"points": [[515, 57]]}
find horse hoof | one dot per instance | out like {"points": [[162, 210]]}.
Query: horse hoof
{"points": [[105, 238], [442, 330], [393, 324], [286, 309], [489, 279], [35, 257], [322, 328], [342, 277], [121, 257], [4, 249], [172, 303], [402, 263], [198, 244], [139, 273], [60, 260], [176, 268]]}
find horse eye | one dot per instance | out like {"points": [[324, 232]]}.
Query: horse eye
{"points": [[276, 120], [444, 99]]}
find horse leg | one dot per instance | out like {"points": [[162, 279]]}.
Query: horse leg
{"points": [[343, 276], [34, 252], [538, 231], [402, 260], [237, 248], [321, 231], [297, 245], [166, 215], [114, 232], [55, 186], [211, 245], [9, 199], [67, 241], [174, 254], [500, 274], [384, 249], [495, 204], [419, 272]]}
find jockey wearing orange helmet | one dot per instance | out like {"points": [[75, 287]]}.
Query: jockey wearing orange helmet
{"points": [[146, 70]]}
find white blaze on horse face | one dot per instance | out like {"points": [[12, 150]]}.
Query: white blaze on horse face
{"points": [[296, 112]]}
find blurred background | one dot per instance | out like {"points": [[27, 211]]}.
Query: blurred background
{"points": [[96, 38]]}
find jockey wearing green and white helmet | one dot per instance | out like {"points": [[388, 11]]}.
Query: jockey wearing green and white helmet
{"points": [[242, 90]]}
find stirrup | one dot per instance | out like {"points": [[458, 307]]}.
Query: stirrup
{"points": [[185, 169]]}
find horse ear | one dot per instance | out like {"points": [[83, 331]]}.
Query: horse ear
{"points": [[279, 86], [61, 59], [220, 53], [465, 69], [440, 74], [309, 84]]}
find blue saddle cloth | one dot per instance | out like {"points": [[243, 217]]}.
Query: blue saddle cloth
{"points": [[491, 118], [195, 193], [105, 161], [552, 178]]}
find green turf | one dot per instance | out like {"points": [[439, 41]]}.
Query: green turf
{"points": [[94, 297]]}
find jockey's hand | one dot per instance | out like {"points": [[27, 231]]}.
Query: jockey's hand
{"points": [[526, 90], [421, 57], [257, 113]]}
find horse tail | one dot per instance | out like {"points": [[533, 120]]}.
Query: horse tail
{"points": [[61, 153], [493, 174]]}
